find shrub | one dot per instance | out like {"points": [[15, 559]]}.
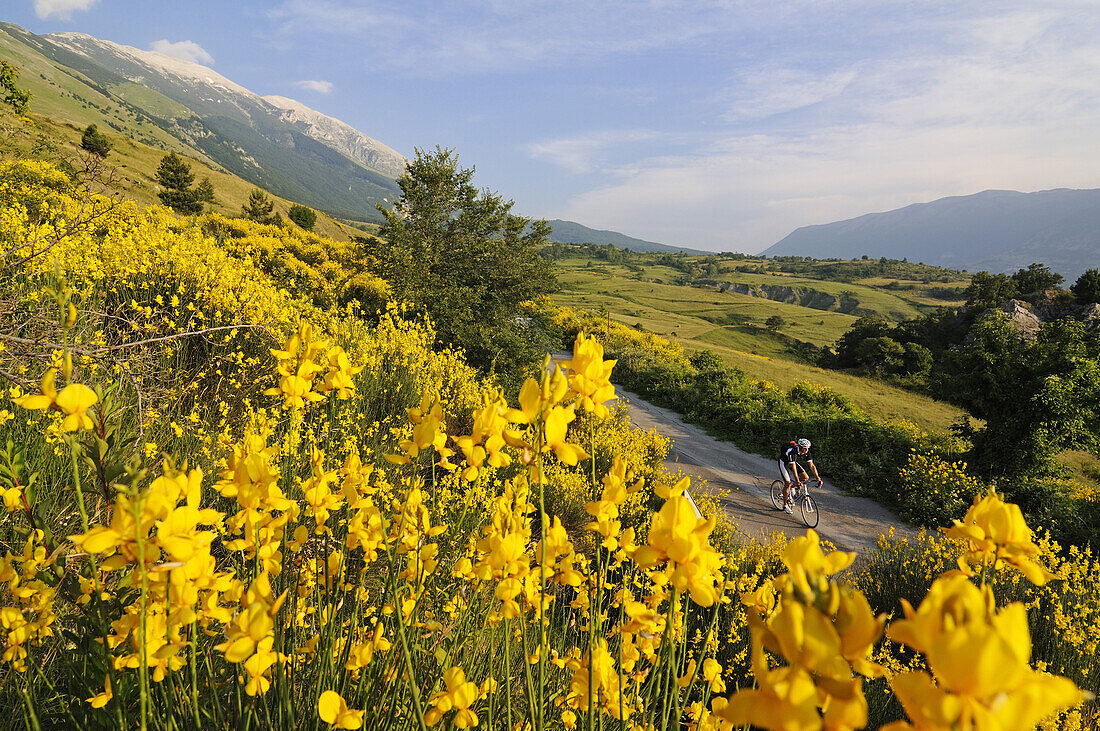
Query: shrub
{"points": [[303, 216]]}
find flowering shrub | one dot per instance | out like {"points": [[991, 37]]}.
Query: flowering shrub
{"points": [[323, 523], [932, 486]]}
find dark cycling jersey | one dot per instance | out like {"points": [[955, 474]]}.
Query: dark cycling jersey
{"points": [[791, 454]]}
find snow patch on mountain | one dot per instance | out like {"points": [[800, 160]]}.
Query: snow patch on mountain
{"points": [[340, 136], [162, 63]]}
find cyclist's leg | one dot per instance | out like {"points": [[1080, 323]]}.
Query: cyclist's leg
{"points": [[787, 499]]}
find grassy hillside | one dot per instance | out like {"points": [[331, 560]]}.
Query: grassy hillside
{"points": [[732, 325], [233, 502], [131, 167], [68, 87]]}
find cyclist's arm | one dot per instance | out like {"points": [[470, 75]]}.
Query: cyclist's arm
{"points": [[814, 468]]}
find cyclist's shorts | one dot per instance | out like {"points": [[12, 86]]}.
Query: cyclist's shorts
{"points": [[783, 471]]}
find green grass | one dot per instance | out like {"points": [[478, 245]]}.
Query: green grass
{"points": [[731, 325], [688, 311], [889, 305], [134, 166]]}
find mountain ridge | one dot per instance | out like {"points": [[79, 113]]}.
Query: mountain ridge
{"points": [[571, 232], [995, 230], [233, 127]]}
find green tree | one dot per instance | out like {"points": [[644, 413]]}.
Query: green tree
{"points": [[881, 355], [204, 191], [989, 290], [95, 141], [10, 93], [775, 323], [463, 257], [917, 360], [175, 178], [1037, 397], [259, 207], [1034, 279], [303, 216], [1087, 287], [848, 347]]}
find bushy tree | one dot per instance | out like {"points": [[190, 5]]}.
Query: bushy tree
{"points": [[917, 360], [848, 347], [204, 191], [175, 178], [95, 141], [1037, 397], [989, 290], [259, 207], [466, 259], [303, 216], [775, 323], [881, 355], [1087, 287], [1035, 278], [10, 93]]}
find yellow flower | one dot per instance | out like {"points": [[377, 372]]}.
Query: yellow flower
{"points": [[980, 660], [73, 401], [340, 373], [589, 375], [333, 709], [13, 499], [42, 400], [677, 535], [995, 531], [459, 696], [100, 700]]}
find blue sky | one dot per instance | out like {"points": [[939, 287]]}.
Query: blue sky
{"points": [[716, 125]]}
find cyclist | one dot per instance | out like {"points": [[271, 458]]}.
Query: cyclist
{"points": [[789, 468]]}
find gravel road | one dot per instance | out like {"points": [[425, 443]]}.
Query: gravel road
{"points": [[851, 523]]}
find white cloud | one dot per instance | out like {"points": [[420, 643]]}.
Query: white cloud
{"points": [[477, 36], [320, 87], [1004, 102], [63, 9], [584, 153], [183, 50], [768, 92]]}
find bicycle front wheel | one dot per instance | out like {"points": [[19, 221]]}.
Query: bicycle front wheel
{"points": [[810, 516], [777, 494]]}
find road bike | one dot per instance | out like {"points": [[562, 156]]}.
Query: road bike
{"points": [[801, 498]]}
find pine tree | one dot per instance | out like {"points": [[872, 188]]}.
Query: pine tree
{"points": [[205, 191], [1087, 287], [303, 216], [95, 141], [175, 177], [467, 260], [259, 207]]}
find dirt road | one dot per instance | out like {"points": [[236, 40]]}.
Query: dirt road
{"points": [[851, 523]]}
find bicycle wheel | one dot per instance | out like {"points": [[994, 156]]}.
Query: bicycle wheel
{"points": [[777, 494], [810, 516]]}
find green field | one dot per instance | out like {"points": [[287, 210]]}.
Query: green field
{"points": [[131, 167], [732, 325]]}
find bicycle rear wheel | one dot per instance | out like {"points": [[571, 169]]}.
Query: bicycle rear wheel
{"points": [[777, 494], [810, 516]]}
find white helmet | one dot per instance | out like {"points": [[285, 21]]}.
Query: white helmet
{"points": [[804, 443]]}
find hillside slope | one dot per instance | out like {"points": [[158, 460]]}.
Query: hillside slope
{"points": [[158, 99], [995, 230], [571, 232]]}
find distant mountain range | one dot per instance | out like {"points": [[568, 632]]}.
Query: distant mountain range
{"points": [[995, 230], [276, 143], [570, 232]]}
